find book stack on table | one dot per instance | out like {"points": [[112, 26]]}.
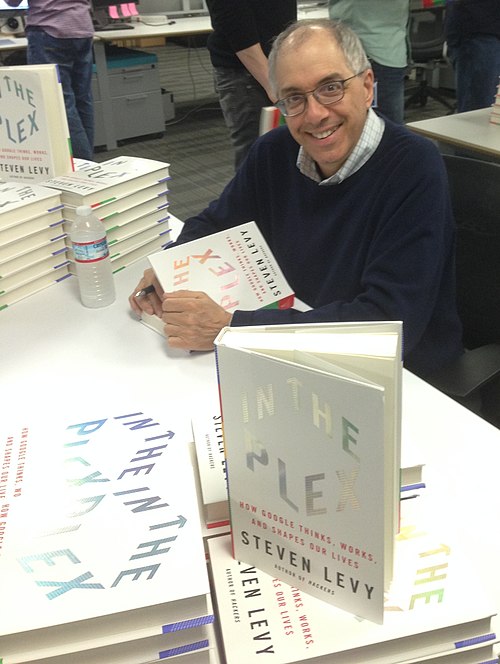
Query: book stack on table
{"points": [[102, 557], [495, 108], [429, 615], [33, 252], [129, 195]]}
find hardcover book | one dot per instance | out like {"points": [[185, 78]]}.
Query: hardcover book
{"points": [[109, 180], [22, 201], [34, 135], [263, 617], [311, 418], [235, 267], [211, 465], [7, 298], [100, 529]]}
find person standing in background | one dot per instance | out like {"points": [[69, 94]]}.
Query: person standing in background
{"points": [[382, 27], [61, 32], [243, 31], [472, 30]]}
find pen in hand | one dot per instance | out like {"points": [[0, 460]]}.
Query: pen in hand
{"points": [[145, 291]]}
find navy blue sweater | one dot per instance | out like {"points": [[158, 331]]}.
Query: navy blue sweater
{"points": [[378, 246]]}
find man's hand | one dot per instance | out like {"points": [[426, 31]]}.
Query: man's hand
{"points": [[150, 303], [192, 320]]}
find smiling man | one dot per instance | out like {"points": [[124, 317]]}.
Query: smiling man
{"points": [[355, 208]]}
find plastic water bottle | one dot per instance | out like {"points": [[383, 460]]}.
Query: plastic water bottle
{"points": [[92, 262]]}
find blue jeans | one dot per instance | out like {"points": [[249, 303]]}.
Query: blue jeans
{"points": [[390, 91], [476, 61], [241, 99], [74, 57]]}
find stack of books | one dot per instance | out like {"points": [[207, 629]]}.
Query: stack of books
{"points": [[431, 613], [129, 195], [102, 557], [33, 252], [495, 109]]}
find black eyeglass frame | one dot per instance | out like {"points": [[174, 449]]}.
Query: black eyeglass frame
{"points": [[280, 104]]}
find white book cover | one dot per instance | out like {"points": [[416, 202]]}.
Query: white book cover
{"points": [[100, 520], [19, 232], [9, 282], [211, 465], [160, 644], [235, 267], [152, 197], [263, 617], [109, 180], [311, 417], [34, 135], [56, 248], [159, 219], [32, 238], [51, 278], [22, 201]]}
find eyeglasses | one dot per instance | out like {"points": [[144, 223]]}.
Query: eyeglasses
{"points": [[326, 94]]}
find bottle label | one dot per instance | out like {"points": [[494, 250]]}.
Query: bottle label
{"points": [[91, 252]]}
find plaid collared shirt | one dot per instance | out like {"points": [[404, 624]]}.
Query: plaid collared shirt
{"points": [[363, 150]]}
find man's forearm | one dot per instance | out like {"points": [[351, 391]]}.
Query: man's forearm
{"points": [[255, 62]]}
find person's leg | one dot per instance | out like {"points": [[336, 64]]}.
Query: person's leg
{"points": [[390, 91], [241, 99], [477, 67], [81, 79], [44, 49]]}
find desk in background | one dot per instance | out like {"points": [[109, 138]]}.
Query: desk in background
{"points": [[471, 130]]}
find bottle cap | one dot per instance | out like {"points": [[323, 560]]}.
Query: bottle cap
{"points": [[83, 210]]}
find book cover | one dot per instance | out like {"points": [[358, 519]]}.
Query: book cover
{"points": [[32, 239], [35, 143], [211, 465], [263, 617], [37, 284], [152, 197], [270, 117], [162, 642], [28, 258], [100, 526], [9, 282], [22, 201], [311, 417], [109, 180], [235, 267]]}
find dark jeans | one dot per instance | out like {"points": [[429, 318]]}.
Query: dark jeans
{"points": [[241, 99], [74, 57], [390, 91], [476, 61]]}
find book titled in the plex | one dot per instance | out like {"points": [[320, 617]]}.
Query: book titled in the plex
{"points": [[311, 421], [235, 267], [211, 465], [20, 202], [101, 533], [34, 135], [110, 180], [263, 618]]}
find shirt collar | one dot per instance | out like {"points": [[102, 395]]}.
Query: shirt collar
{"points": [[363, 150]]}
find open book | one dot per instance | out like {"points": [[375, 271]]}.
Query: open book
{"points": [[234, 267], [311, 422]]}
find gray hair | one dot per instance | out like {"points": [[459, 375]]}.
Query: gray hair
{"points": [[304, 29]]}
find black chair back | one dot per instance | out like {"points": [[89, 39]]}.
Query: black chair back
{"points": [[475, 194]]}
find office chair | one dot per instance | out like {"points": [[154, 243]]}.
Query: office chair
{"points": [[474, 380], [427, 46]]}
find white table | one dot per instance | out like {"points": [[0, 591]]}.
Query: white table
{"points": [[54, 353], [471, 130]]}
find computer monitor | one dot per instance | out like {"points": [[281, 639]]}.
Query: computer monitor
{"points": [[10, 8], [109, 14]]}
